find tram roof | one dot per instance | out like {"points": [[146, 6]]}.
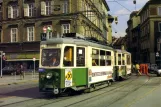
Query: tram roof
{"points": [[75, 41], [122, 51]]}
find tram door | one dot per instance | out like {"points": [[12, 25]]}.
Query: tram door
{"points": [[115, 69]]}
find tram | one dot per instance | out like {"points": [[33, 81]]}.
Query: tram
{"points": [[77, 64]]}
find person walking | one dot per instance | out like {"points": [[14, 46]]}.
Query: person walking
{"points": [[137, 69], [22, 72], [133, 68]]}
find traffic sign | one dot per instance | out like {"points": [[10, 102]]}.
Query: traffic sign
{"points": [[43, 36], [44, 29]]}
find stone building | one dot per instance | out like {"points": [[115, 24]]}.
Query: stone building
{"points": [[133, 36], [23, 22], [148, 33]]}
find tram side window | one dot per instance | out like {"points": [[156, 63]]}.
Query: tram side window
{"points": [[68, 56], [108, 58], [95, 57], [102, 58], [119, 59], [80, 56], [123, 59], [128, 59]]}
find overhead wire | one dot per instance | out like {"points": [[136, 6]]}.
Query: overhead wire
{"points": [[117, 1]]}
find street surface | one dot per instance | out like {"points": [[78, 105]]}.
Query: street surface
{"points": [[134, 92]]}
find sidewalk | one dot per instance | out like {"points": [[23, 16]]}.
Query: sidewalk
{"points": [[15, 79]]}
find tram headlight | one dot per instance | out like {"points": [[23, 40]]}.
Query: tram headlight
{"points": [[49, 75]]}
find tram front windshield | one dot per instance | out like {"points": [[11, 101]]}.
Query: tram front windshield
{"points": [[50, 57]]}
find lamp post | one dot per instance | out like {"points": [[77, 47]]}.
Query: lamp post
{"points": [[2, 56], [34, 59], [1, 62]]}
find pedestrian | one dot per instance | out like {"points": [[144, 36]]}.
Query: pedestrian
{"points": [[22, 72], [133, 68], [137, 69]]}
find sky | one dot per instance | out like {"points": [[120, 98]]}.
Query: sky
{"points": [[122, 9]]}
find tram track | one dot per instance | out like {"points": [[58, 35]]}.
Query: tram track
{"points": [[111, 90], [110, 93], [42, 101], [146, 83]]}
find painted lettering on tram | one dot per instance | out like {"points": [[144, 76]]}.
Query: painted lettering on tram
{"points": [[94, 74]]}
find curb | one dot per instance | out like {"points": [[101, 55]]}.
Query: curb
{"points": [[19, 82]]}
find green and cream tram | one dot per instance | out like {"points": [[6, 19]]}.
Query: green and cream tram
{"points": [[75, 64]]}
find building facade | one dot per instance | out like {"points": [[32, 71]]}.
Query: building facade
{"points": [[23, 22], [150, 26], [133, 36], [147, 33]]}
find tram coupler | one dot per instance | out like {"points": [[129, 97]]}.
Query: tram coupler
{"points": [[56, 91]]}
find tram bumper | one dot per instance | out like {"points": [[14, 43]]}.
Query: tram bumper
{"points": [[50, 89]]}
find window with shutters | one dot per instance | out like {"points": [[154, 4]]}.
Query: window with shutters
{"points": [[29, 10], [47, 7], [14, 34], [65, 7], [13, 11], [30, 33], [159, 11], [65, 28]]}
